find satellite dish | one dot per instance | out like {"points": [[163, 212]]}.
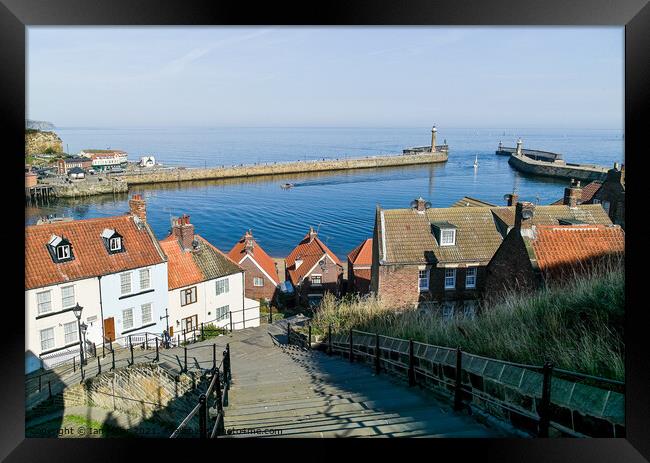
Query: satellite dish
{"points": [[527, 214]]}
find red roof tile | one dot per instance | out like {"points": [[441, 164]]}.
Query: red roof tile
{"points": [[310, 252], [258, 254], [362, 254], [557, 247], [91, 259]]}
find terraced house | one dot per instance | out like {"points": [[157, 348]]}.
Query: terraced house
{"points": [[205, 285], [438, 256], [112, 267], [261, 274]]}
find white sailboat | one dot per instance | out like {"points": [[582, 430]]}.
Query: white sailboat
{"points": [[476, 162]]}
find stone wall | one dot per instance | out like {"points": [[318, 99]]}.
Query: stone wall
{"points": [[398, 285], [146, 390], [82, 188], [186, 174], [37, 142], [558, 170]]}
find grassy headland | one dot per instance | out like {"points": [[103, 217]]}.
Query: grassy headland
{"points": [[578, 325]]}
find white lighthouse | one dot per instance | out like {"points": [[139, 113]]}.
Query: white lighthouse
{"points": [[433, 139], [519, 143]]}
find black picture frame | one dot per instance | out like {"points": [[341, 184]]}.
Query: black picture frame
{"points": [[634, 15]]}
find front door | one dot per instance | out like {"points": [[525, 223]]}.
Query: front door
{"points": [[190, 323], [109, 329]]}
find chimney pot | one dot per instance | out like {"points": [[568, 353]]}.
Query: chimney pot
{"points": [[523, 215], [512, 199], [572, 194], [138, 207]]}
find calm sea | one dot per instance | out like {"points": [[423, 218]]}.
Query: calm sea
{"points": [[340, 205]]}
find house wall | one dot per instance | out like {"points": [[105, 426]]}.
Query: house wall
{"points": [[357, 284], [612, 191], [113, 302], [510, 267], [398, 285], [86, 294], [437, 289], [331, 277], [253, 271], [207, 302]]}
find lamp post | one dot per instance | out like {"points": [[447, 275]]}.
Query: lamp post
{"points": [[84, 328], [77, 309], [166, 317]]}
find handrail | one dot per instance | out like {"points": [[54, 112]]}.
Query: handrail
{"points": [[185, 421]]}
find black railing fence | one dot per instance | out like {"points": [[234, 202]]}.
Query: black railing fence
{"points": [[532, 397], [217, 395]]}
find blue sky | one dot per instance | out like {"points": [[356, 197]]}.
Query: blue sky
{"points": [[337, 76]]}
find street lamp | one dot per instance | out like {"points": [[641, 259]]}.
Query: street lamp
{"points": [[84, 328], [76, 310]]}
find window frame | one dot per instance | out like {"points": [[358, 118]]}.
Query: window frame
{"points": [[63, 247], [427, 273], [226, 286], [320, 280], [53, 338], [442, 236], [474, 275], [256, 279], [453, 286], [63, 298], [39, 303], [146, 271], [124, 318], [192, 292], [130, 289], [216, 312], [115, 239], [150, 319], [74, 332]]}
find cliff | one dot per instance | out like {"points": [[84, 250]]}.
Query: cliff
{"points": [[37, 142], [38, 125]]}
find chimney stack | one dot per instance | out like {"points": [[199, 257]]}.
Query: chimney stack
{"points": [[420, 204], [512, 199], [183, 230], [249, 244], [524, 212], [572, 194], [312, 234], [138, 207]]}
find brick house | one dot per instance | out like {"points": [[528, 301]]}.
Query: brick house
{"points": [[64, 165], [610, 193], [532, 254], [359, 266], [261, 272], [313, 269], [438, 256], [204, 284]]}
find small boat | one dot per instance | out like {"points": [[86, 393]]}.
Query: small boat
{"points": [[476, 162], [286, 186]]}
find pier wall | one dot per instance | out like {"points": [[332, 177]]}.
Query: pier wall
{"points": [[187, 174], [87, 188], [557, 169]]}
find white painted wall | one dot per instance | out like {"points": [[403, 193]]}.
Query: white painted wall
{"points": [[113, 303], [207, 303], [86, 294]]}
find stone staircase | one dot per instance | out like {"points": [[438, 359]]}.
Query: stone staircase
{"points": [[285, 391]]}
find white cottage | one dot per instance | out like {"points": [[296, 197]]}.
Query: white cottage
{"points": [[112, 267], [205, 285]]}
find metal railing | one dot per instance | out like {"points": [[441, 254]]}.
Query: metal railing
{"points": [[217, 393], [451, 370]]}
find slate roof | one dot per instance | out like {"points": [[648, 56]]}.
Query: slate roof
{"points": [[467, 201], [91, 259], [406, 236], [310, 253], [258, 254], [557, 247], [186, 268], [362, 254], [588, 192]]}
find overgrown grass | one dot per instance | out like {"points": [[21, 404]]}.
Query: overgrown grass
{"points": [[578, 326]]}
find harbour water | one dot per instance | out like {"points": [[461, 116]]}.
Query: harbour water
{"points": [[340, 204]]}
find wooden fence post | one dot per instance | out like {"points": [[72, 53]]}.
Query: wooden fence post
{"points": [[99, 366], [545, 405], [185, 355], [230, 314], [146, 341], [157, 352], [202, 333], [351, 347], [458, 404], [270, 314], [329, 339], [411, 371], [377, 358], [203, 412], [113, 360], [131, 347], [74, 364]]}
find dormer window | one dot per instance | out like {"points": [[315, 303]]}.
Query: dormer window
{"points": [[445, 233], [112, 241], [60, 249]]}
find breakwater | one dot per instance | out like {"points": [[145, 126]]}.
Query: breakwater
{"points": [[558, 168], [81, 188], [179, 174]]}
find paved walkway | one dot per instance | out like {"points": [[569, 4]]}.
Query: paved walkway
{"points": [[284, 390]]}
